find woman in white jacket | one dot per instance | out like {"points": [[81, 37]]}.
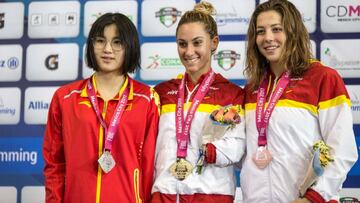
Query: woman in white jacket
{"points": [[181, 141], [306, 102]]}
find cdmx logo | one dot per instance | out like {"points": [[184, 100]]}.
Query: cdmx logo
{"points": [[226, 59], [2, 20], [51, 62], [342, 11], [168, 15]]}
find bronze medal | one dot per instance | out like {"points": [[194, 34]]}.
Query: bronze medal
{"points": [[262, 157]]}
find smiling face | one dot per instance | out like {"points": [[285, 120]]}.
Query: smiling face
{"points": [[270, 37], [108, 59], [194, 48]]}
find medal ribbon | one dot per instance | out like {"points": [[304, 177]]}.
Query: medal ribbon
{"points": [[183, 127], [262, 114], [115, 120]]}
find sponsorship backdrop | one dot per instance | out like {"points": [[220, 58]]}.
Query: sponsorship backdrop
{"points": [[42, 47]]}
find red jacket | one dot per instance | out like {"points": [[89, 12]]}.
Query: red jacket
{"points": [[74, 141]]}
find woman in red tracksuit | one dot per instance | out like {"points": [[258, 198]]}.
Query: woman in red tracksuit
{"points": [[100, 136]]}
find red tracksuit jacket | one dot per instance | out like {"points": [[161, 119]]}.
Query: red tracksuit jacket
{"points": [[74, 141]]}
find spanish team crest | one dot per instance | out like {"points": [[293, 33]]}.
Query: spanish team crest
{"points": [[226, 59], [168, 15]]}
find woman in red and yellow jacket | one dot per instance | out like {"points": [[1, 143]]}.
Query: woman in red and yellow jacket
{"points": [[101, 132]]}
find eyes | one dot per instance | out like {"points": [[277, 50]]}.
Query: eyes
{"points": [[99, 40], [100, 43], [116, 41], [262, 31], [195, 43]]}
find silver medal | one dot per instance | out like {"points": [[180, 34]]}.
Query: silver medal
{"points": [[106, 162]]}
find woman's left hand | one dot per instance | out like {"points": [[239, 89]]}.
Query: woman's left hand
{"points": [[301, 200]]}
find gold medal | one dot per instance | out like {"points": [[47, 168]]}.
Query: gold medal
{"points": [[181, 169], [106, 162]]}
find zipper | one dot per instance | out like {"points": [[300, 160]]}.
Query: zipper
{"points": [[177, 192], [270, 184], [189, 94], [137, 186], [101, 139], [269, 169]]}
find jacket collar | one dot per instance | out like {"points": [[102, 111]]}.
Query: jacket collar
{"points": [[117, 97]]}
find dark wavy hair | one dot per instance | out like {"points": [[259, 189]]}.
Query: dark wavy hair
{"points": [[128, 36], [297, 52]]}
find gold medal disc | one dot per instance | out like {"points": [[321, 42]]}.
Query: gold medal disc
{"points": [[181, 168]]}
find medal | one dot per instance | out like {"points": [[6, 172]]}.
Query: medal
{"points": [[262, 157], [181, 169], [106, 162]]}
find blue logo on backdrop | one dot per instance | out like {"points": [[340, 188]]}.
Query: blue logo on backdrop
{"points": [[21, 155], [13, 62], [2, 63]]}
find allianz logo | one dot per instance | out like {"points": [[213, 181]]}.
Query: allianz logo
{"points": [[38, 105]]}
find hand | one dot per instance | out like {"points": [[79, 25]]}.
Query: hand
{"points": [[301, 200]]}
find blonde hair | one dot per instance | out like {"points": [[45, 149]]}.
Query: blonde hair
{"points": [[201, 13], [297, 51]]}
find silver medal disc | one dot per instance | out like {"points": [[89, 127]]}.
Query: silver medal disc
{"points": [[106, 162]]}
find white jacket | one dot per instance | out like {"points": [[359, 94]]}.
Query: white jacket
{"points": [[215, 178], [313, 107]]}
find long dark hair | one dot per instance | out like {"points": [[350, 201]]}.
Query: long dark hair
{"points": [[297, 52]]}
